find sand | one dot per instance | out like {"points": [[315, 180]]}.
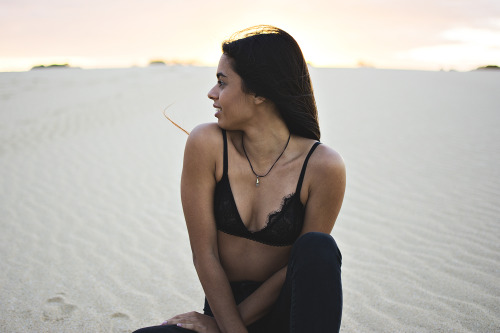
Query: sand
{"points": [[92, 236]]}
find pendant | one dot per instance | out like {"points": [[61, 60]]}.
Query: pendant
{"points": [[257, 181]]}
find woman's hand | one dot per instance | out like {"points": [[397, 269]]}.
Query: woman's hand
{"points": [[194, 321]]}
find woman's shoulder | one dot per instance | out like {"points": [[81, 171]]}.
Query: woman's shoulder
{"points": [[206, 131], [205, 140], [326, 162], [205, 135], [204, 150], [323, 157], [325, 176], [329, 155]]}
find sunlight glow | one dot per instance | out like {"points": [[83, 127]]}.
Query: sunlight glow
{"points": [[331, 33], [487, 38], [470, 48]]}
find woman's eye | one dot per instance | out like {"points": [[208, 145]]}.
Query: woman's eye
{"points": [[220, 83]]}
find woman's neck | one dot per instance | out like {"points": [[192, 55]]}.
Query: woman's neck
{"points": [[265, 139]]}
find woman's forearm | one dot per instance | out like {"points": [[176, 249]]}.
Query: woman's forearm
{"points": [[219, 295], [259, 303]]}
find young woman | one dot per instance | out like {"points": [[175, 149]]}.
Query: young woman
{"points": [[261, 195]]}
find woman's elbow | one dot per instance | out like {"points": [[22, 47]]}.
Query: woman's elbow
{"points": [[205, 259]]}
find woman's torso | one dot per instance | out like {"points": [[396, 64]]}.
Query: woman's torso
{"points": [[257, 259]]}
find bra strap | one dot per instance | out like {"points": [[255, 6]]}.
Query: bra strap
{"points": [[224, 136], [302, 173]]}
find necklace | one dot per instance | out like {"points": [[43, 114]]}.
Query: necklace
{"points": [[272, 166]]}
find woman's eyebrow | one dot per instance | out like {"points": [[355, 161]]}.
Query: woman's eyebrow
{"points": [[219, 75]]}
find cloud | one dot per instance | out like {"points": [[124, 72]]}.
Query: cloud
{"points": [[483, 37], [461, 48]]}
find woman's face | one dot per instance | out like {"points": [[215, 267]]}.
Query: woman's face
{"points": [[233, 106]]}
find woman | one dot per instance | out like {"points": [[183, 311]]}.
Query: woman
{"points": [[260, 197]]}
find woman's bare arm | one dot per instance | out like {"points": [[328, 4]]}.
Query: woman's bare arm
{"points": [[259, 303], [325, 182], [197, 190]]}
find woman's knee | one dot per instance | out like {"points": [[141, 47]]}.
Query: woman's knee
{"points": [[316, 246], [316, 240]]}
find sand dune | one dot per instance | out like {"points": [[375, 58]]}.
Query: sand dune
{"points": [[92, 236]]}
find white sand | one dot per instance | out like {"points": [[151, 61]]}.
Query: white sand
{"points": [[92, 236]]}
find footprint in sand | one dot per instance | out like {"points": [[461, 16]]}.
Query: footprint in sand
{"points": [[56, 309], [119, 323]]}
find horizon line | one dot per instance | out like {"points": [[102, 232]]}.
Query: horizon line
{"points": [[196, 63]]}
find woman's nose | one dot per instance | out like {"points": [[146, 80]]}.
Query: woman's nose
{"points": [[212, 94]]}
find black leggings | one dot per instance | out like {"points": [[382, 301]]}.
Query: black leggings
{"points": [[310, 300]]}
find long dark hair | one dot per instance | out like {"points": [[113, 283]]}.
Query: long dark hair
{"points": [[271, 65]]}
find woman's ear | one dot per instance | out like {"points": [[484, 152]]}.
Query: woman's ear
{"points": [[258, 100]]}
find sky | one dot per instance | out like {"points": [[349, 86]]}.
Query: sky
{"points": [[400, 34]]}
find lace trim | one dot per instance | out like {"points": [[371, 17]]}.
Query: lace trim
{"points": [[272, 216], [283, 226]]}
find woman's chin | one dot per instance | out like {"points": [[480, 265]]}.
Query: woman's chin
{"points": [[219, 117]]}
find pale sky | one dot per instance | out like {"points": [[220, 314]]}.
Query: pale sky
{"points": [[402, 34]]}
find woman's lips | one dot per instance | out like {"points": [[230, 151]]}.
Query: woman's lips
{"points": [[217, 110]]}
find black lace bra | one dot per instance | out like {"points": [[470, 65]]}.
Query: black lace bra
{"points": [[283, 226]]}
